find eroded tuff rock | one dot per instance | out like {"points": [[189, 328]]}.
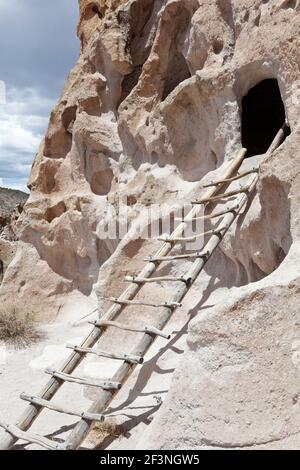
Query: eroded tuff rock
{"points": [[152, 106], [11, 207]]}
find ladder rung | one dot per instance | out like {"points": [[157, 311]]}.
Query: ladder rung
{"points": [[222, 196], [197, 254], [52, 406], [105, 384], [140, 302], [32, 438], [151, 330], [142, 280], [213, 215], [123, 357], [215, 231], [180, 239], [228, 180]]}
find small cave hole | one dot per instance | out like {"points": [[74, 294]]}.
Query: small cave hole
{"points": [[257, 19], [92, 11], [95, 10], [101, 182], [131, 200], [1, 270], [263, 115], [129, 82], [289, 4], [68, 117], [154, 158], [247, 16], [218, 46], [58, 141], [177, 72], [55, 211]]}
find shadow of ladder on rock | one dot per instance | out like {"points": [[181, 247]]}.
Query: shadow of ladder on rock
{"points": [[110, 387]]}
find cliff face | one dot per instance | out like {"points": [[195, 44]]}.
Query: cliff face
{"points": [[9, 199], [154, 104], [11, 206]]}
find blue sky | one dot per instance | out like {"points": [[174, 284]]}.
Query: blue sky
{"points": [[38, 48]]}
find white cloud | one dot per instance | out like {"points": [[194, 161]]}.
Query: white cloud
{"points": [[26, 101], [35, 57], [13, 135], [11, 5], [23, 120], [2, 92]]}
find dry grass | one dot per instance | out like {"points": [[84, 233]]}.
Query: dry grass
{"points": [[18, 327], [104, 433]]}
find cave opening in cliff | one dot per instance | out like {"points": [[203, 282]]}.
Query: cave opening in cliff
{"points": [[263, 114]]}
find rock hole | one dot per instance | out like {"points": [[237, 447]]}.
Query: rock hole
{"points": [[1, 271], [263, 115], [177, 72], [55, 211], [91, 11], [218, 46], [289, 4], [101, 182], [68, 118], [48, 172], [58, 141], [154, 158], [95, 10], [131, 200], [129, 82], [247, 16], [257, 19]]}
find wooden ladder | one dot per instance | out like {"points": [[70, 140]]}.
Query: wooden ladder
{"points": [[108, 388]]}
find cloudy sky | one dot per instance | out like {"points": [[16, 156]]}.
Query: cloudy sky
{"points": [[38, 47]]}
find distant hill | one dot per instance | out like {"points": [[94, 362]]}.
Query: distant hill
{"points": [[9, 198]]}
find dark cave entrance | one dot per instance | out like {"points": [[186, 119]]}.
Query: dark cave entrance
{"points": [[263, 115]]}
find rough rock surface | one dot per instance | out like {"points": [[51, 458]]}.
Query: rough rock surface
{"points": [[11, 206], [152, 106], [9, 199]]}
